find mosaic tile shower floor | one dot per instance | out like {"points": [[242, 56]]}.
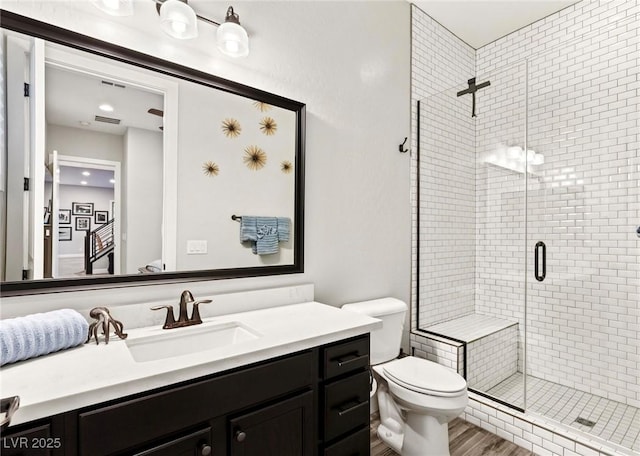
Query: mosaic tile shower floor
{"points": [[613, 421]]}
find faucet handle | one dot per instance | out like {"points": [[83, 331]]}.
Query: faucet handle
{"points": [[195, 314], [170, 321]]}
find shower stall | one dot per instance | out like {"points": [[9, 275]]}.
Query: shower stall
{"points": [[528, 257]]}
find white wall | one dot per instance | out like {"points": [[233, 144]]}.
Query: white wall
{"points": [[142, 199], [84, 143], [206, 203], [3, 157], [349, 62]]}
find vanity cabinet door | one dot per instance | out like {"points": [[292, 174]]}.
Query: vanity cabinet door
{"points": [[197, 443], [36, 441], [285, 428]]}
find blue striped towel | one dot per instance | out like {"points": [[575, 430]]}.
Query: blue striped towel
{"points": [[40, 334], [284, 230], [248, 228], [267, 230]]}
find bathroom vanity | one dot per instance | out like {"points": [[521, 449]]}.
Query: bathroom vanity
{"points": [[308, 395]]}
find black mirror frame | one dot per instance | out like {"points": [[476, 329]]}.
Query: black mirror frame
{"points": [[28, 26]]}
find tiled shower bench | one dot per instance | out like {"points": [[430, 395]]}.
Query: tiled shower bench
{"points": [[490, 344]]}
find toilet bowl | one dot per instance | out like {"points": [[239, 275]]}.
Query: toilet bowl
{"points": [[416, 398], [373, 395]]}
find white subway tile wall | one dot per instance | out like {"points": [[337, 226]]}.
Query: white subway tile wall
{"points": [[492, 359], [583, 201], [440, 63], [438, 350], [581, 67]]}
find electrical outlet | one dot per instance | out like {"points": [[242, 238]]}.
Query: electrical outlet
{"points": [[196, 247]]}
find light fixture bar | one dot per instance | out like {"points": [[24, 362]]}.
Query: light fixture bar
{"points": [[202, 18], [181, 23]]}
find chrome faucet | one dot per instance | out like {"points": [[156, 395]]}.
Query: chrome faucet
{"points": [[183, 319]]}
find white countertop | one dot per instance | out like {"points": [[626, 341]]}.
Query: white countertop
{"points": [[90, 374]]}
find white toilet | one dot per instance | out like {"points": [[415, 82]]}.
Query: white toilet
{"points": [[416, 398]]}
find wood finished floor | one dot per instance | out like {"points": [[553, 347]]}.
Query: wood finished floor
{"points": [[465, 439]]}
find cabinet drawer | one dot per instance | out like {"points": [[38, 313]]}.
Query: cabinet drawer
{"points": [[357, 444], [346, 357], [197, 443], [346, 405]]}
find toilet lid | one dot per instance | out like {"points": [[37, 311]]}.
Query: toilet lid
{"points": [[425, 376]]}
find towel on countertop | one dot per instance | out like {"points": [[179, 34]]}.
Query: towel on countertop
{"points": [[40, 334], [264, 233]]}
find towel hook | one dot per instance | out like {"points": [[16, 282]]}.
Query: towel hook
{"points": [[236, 217], [401, 146]]}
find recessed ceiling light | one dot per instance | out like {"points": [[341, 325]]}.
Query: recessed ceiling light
{"points": [[106, 107], [83, 182], [113, 181], [86, 173]]}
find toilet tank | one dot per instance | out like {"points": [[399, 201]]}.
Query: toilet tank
{"points": [[385, 341]]}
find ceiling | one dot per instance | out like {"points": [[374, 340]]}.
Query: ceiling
{"points": [[479, 22], [73, 97]]}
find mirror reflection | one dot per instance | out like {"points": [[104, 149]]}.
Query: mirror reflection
{"points": [[133, 173]]}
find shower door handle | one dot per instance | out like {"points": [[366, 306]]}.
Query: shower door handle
{"points": [[540, 258]]}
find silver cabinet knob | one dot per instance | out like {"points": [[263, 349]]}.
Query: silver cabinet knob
{"points": [[205, 449], [240, 436]]}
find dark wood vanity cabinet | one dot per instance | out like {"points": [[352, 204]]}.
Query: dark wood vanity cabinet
{"points": [[344, 398], [314, 402], [33, 439]]}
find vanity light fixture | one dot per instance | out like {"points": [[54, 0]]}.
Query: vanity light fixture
{"points": [[115, 7], [232, 38], [179, 20]]}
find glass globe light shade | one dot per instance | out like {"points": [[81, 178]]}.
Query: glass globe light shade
{"points": [[232, 40], [178, 19]]}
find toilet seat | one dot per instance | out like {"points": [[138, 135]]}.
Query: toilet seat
{"points": [[425, 377]]}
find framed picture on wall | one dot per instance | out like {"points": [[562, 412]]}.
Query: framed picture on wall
{"points": [[64, 233], [83, 223], [64, 216], [101, 217], [82, 209]]}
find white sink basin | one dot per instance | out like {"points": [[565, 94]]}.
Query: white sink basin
{"points": [[192, 339]]}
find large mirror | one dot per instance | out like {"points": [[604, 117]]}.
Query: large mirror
{"points": [[138, 169]]}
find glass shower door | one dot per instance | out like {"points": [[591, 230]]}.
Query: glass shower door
{"points": [[582, 328], [501, 209], [471, 228]]}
